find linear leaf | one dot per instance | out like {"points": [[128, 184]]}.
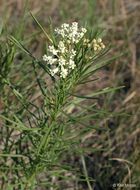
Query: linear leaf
{"points": [[21, 126], [12, 155], [102, 62], [41, 28], [106, 90]]}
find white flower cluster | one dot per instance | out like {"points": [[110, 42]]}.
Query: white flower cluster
{"points": [[61, 60], [72, 33]]}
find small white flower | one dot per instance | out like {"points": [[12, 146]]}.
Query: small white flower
{"points": [[71, 64], [50, 59], [80, 35], [54, 71], [61, 61], [84, 30], [75, 24], [60, 32], [53, 50], [72, 53], [71, 37], [65, 26], [62, 47], [56, 30], [63, 73], [44, 57], [61, 44], [74, 28]]}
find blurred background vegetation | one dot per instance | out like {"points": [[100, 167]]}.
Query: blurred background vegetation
{"points": [[120, 20]]}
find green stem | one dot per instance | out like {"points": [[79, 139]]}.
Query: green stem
{"points": [[85, 172], [45, 141]]}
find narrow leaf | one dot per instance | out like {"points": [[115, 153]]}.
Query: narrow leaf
{"points": [[41, 28]]}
